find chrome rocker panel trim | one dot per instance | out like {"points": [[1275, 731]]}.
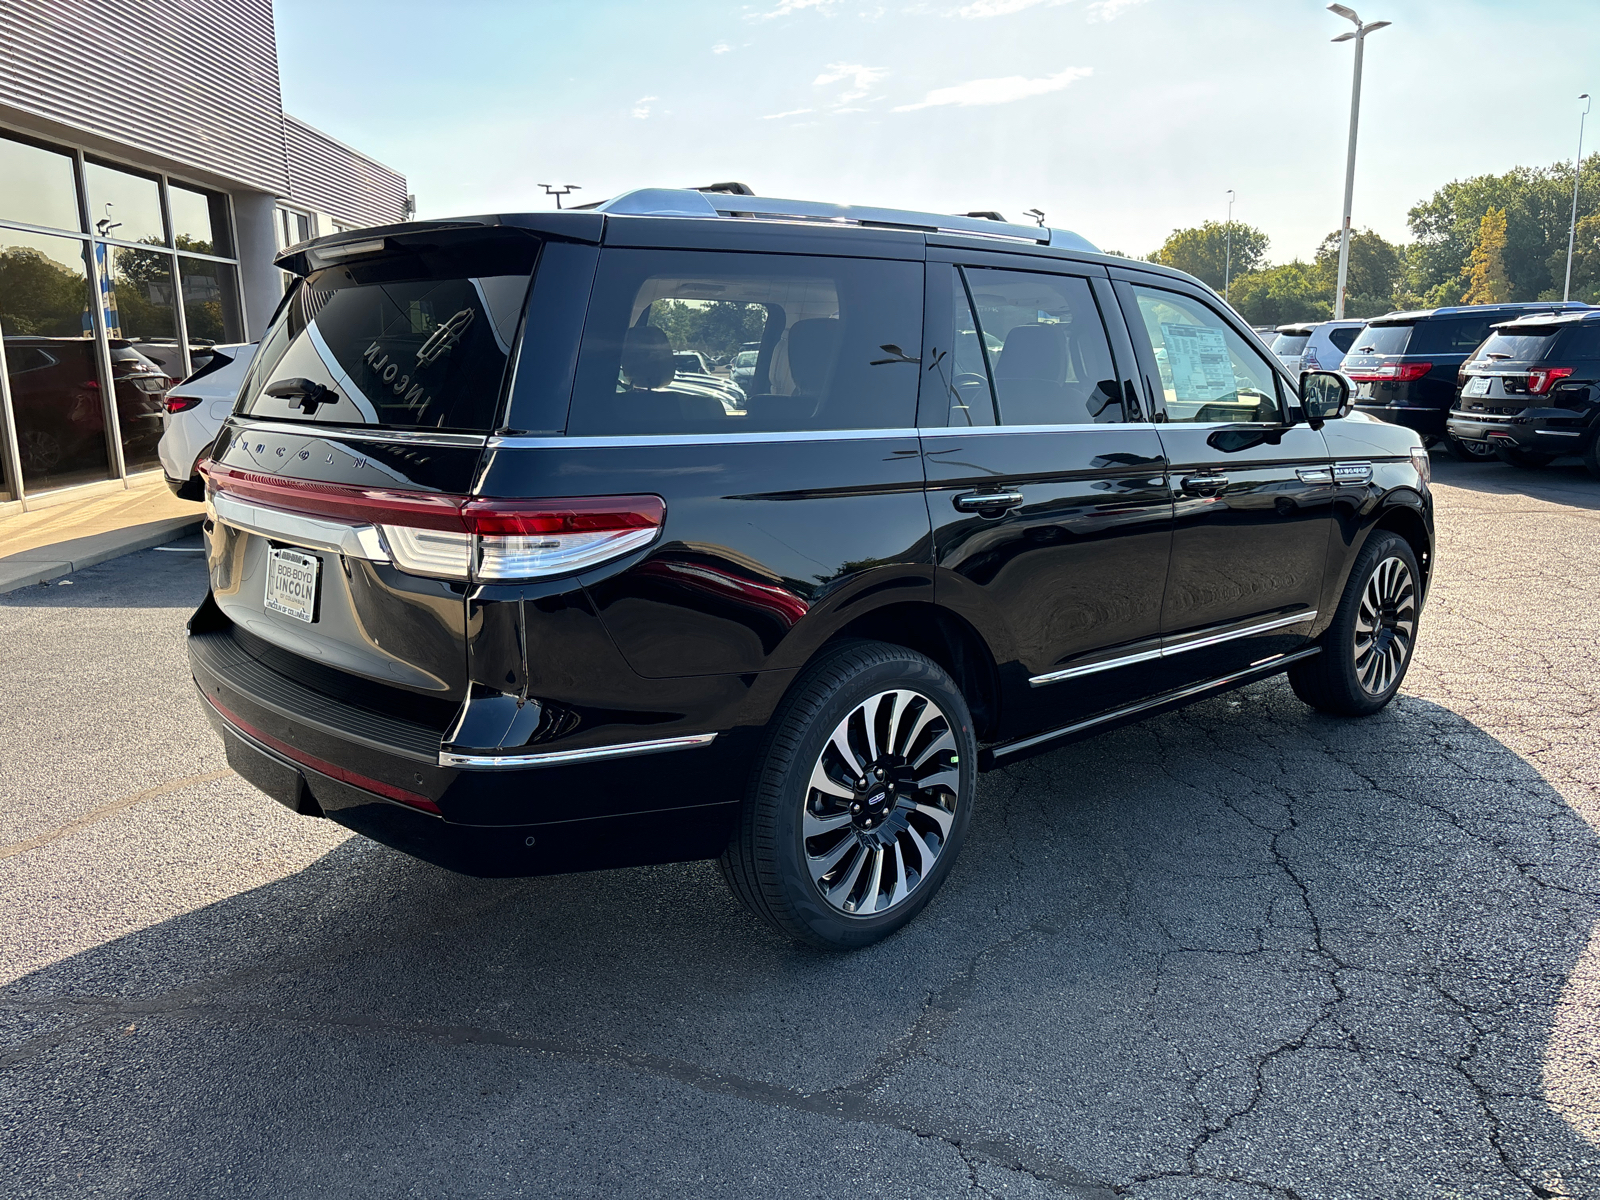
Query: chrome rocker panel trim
{"points": [[558, 758], [1168, 651]]}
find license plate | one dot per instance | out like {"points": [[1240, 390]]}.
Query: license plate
{"points": [[1364, 391], [292, 584], [1476, 386]]}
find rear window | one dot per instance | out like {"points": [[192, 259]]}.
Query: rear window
{"points": [[1522, 345], [1290, 343], [407, 341], [834, 343], [1382, 339], [1343, 337], [1451, 335]]}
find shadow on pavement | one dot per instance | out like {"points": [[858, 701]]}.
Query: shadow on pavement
{"points": [[1241, 942], [1565, 481]]}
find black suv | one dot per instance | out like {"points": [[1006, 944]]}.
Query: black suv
{"points": [[1406, 364], [1532, 391], [491, 585]]}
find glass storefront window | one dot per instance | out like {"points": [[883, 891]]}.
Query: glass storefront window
{"points": [[146, 357], [134, 214], [199, 221], [37, 187], [51, 360], [210, 301]]}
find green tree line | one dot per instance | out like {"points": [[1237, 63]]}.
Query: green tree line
{"points": [[1479, 240]]}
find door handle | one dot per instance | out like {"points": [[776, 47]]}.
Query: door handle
{"points": [[1204, 485], [987, 503]]}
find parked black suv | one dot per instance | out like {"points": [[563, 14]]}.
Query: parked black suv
{"points": [[1532, 391], [1405, 364], [490, 586]]}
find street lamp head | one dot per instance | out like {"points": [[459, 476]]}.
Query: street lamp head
{"points": [[1586, 103], [1345, 37], [1349, 14], [1374, 27]]}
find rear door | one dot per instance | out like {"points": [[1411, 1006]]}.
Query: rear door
{"points": [[1046, 484], [366, 409], [1253, 499]]}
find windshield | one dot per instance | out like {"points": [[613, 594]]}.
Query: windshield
{"points": [[1290, 343], [1383, 339], [1523, 345], [408, 341]]}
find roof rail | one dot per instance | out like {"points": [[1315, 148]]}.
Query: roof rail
{"points": [[684, 202]]}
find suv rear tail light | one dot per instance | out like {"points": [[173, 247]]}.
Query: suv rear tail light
{"points": [[178, 404], [1308, 360], [465, 537], [1543, 379], [1393, 373]]}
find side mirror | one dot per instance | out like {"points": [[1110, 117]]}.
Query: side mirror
{"points": [[1325, 396]]}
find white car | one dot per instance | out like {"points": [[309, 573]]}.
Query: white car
{"points": [[195, 411], [1315, 345]]}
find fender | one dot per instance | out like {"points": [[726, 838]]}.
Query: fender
{"points": [[1395, 500]]}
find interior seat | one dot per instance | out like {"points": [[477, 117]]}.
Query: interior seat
{"points": [[651, 405], [1030, 379], [813, 352]]}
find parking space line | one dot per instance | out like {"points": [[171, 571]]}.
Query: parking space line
{"points": [[107, 810]]}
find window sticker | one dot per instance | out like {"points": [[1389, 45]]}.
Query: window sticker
{"points": [[1198, 363]]}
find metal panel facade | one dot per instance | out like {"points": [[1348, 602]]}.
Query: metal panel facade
{"points": [[327, 175], [193, 80]]}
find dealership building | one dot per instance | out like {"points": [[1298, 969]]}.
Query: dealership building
{"points": [[148, 174]]}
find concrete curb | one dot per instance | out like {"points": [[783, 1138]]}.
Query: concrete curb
{"points": [[28, 567]]}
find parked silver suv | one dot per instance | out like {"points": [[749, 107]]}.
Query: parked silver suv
{"points": [[1315, 345]]}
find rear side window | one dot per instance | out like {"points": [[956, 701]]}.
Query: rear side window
{"points": [[1343, 337], [1290, 343], [1046, 346], [1382, 339], [1449, 335], [1581, 341], [408, 341], [835, 344]]}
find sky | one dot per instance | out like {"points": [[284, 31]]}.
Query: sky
{"points": [[1121, 119]]}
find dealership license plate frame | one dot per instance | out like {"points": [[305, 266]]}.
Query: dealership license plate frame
{"points": [[285, 567]]}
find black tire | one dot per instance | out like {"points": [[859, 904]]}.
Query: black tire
{"points": [[770, 862], [1355, 675], [1526, 459], [1591, 456], [1476, 452]]}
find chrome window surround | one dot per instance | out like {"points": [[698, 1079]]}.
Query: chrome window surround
{"points": [[557, 758], [1196, 643], [356, 433]]}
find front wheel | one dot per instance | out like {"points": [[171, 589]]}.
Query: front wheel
{"points": [[1368, 647], [1526, 459], [861, 799]]}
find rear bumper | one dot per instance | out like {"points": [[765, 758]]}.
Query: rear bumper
{"points": [[381, 777], [1425, 419], [1540, 437]]}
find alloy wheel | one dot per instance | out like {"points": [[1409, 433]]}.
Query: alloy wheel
{"points": [[880, 803], [1386, 626]]}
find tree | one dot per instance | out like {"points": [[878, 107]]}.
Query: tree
{"points": [[1375, 272], [1585, 261], [1486, 269], [1295, 291], [1203, 251], [40, 295]]}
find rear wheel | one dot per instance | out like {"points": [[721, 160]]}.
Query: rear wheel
{"points": [[1526, 459], [1469, 451], [1591, 456], [1367, 649], [861, 799]]}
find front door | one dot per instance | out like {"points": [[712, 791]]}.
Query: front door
{"points": [[1253, 499], [1047, 488]]}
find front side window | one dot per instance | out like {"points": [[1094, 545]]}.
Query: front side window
{"points": [[814, 343], [1208, 372], [410, 341], [1046, 347]]}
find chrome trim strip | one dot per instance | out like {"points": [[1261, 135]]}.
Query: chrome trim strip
{"points": [[556, 758], [965, 430], [1197, 643], [315, 533], [693, 439], [1267, 666], [1558, 432], [357, 434]]}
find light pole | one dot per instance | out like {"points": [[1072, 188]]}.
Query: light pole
{"points": [[1227, 261], [1360, 36], [1577, 170]]}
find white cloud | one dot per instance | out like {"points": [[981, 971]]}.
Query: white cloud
{"points": [[721, 48], [1002, 8], [861, 80], [1110, 10], [793, 112], [641, 107], [787, 7], [998, 91]]}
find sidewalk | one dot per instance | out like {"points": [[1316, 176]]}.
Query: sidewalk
{"points": [[62, 538]]}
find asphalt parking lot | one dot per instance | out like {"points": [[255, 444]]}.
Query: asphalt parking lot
{"points": [[1237, 951]]}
